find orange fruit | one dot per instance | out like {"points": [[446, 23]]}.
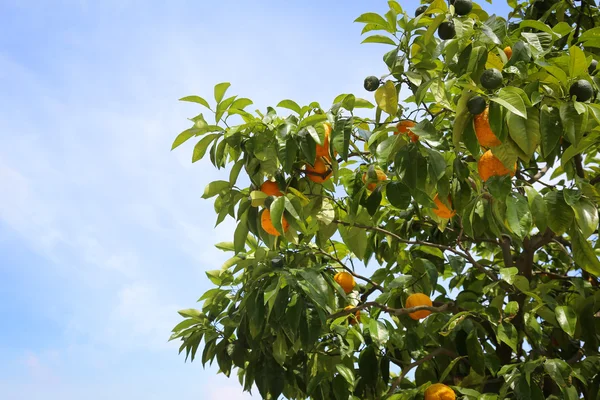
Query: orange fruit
{"points": [[418, 299], [345, 280], [270, 188], [404, 128], [381, 176], [508, 52], [323, 150], [489, 165], [483, 130], [267, 223], [439, 391], [354, 319], [442, 210], [320, 172]]}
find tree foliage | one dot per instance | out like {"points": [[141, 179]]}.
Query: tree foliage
{"points": [[407, 190]]}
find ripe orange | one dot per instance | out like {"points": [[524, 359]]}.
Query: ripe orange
{"points": [[320, 172], [381, 176], [508, 52], [418, 299], [270, 188], [439, 391], [483, 131], [489, 165], [323, 150], [442, 210], [267, 223], [404, 128], [345, 280], [354, 319]]}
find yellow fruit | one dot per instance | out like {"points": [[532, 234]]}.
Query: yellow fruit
{"points": [[267, 223], [489, 165], [442, 210], [508, 52], [381, 176], [270, 188], [345, 280], [320, 172], [404, 128], [439, 391], [418, 299], [354, 319], [483, 131], [323, 150]]}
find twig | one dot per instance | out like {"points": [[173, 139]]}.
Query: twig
{"points": [[340, 262]]}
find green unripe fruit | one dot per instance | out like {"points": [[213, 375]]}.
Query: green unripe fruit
{"points": [[463, 7], [420, 10], [277, 263], [491, 79], [582, 90], [371, 83], [592, 67], [446, 30], [476, 105]]}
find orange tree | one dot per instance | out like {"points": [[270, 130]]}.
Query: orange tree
{"points": [[443, 246]]}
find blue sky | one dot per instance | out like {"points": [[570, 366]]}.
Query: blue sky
{"points": [[103, 235]]}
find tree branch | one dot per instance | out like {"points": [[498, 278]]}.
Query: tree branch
{"points": [[389, 310], [464, 253]]}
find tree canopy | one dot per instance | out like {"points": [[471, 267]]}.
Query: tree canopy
{"points": [[442, 245]]}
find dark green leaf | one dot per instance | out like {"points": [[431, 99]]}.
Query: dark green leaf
{"points": [[567, 319]]}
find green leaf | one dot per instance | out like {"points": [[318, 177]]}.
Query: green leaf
{"points": [[387, 98], [355, 239], [326, 214], [220, 90], [346, 372], [373, 18], [379, 39], [532, 328], [557, 369], [241, 103], [530, 23], [315, 286], [476, 359], [374, 201], [586, 216], [507, 333], [550, 129], [538, 208], [276, 209], [280, 349], [584, 254], [578, 65], [574, 124], [368, 366], [184, 137], [398, 194], [436, 165], [560, 215], [240, 234], [290, 105], [517, 215], [463, 117], [511, 98], [567, 319], [195, 99], [214, 188], [379, 333], [509, 274], [201, 147], [390, 146]]}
